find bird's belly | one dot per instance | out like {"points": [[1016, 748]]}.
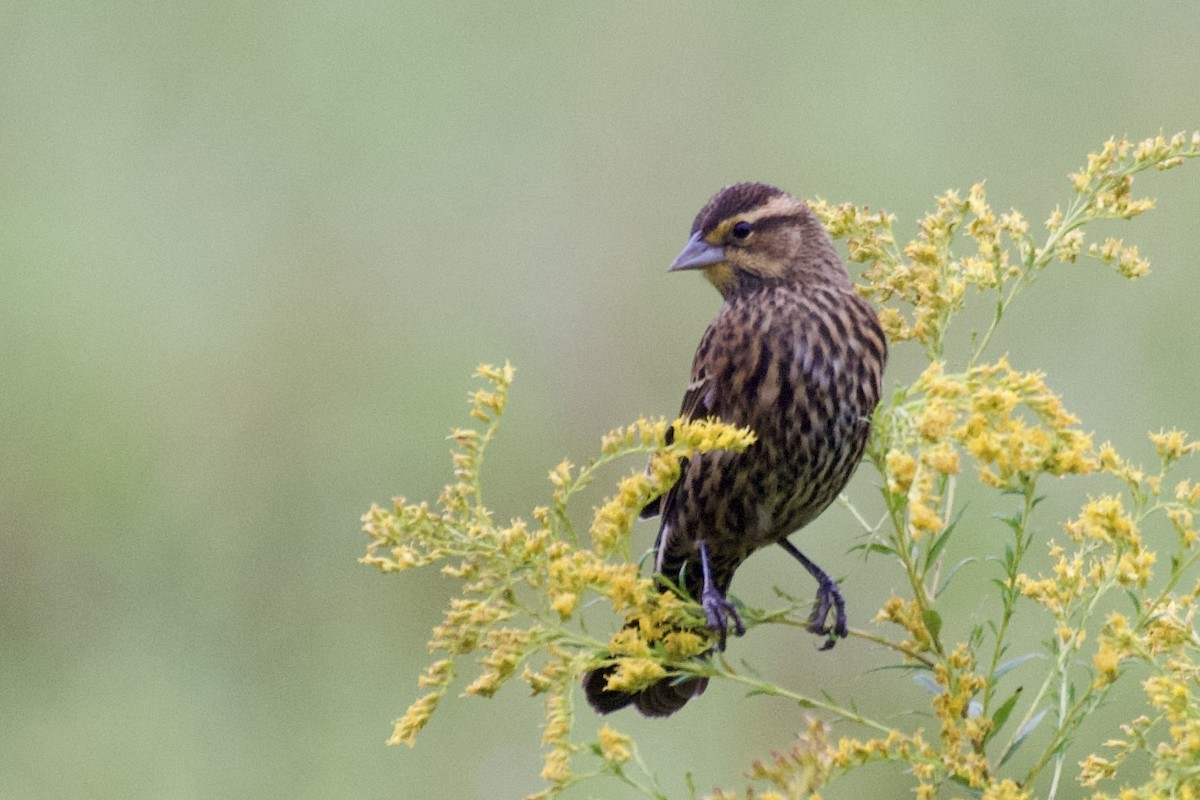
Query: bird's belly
{"points": [[796, 478]]}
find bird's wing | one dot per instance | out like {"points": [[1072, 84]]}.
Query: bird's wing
{"points": [[697, 397], [695, 405]]}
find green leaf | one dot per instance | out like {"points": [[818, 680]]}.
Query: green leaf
{"points": [[750, 670], [1010, 557], [791, 598], [976, 637], [916, 666], [926, 681], [1135, 602], [1003, 712], [940, 541], [873, 547], [1019, 739], [933, 621], [954, 570], [1013, 522], [1012, 663]]}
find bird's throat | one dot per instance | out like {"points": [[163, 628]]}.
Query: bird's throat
{"points": [[721, 276]]}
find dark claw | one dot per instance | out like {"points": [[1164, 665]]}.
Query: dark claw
{"points": [[828, 597], [717, 608]]}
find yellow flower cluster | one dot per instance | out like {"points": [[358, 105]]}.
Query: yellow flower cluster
{"points": [[1108, 176], [925, 274], [1114, 641], [909, 615], [489, 404], [929, 279], [556, 735], [962, 734], [643, 433], [1173, 695], [1126, 259], [1057, 593], [1171, 446], [611, 523], [815, 759], [1009, 422], [660, 637], [1011, 447], [1016, 430], [506, 649], [389, 529], [1110, 554], [572, 572], [406, 728], [521, 583], [524, 584], [667, 448], [868, 234], [615, 747], [1103, 520]]}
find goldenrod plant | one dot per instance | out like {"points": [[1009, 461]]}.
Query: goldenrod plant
{"points": [[1119, 613]]}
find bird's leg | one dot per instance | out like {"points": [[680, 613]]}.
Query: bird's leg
{"points": [[717, 607], [828, 597]]}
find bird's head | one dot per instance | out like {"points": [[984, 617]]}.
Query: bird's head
{"points": [[749, 234]]}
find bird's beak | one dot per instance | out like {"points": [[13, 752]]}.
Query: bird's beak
{"points": [[697, 254]]}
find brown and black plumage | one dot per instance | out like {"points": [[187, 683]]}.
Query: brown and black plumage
{"points": [[798, 357]]}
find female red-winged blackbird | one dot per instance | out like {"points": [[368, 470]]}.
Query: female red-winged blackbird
{"points": [[798, 357]]}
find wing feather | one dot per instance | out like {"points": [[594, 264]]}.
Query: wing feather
{"points": [[696, 405]]}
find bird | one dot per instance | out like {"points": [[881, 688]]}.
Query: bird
{"points": [[797, 356]]}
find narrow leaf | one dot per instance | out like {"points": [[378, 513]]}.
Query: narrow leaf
{"points": [[940, 542], [933, 621], [1019, 739], [950, 574], [1133, 599], [1012, 663], [1012, 522], [914, 667], [1003, 712], [926, 682]]}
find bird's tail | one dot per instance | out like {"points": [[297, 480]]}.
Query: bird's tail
{"points": [[660, 699]]}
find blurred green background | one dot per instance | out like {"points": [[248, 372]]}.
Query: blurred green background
{"points": [[251, 253]]}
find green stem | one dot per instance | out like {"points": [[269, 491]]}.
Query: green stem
{"points": [[1002, 304], [805, 701], [1009, 595], [866, 526], [1068, 718], [649, 791], [897, 646]]}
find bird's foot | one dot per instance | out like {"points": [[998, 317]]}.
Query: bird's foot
{"points": [[829, 598], [718, 610]]}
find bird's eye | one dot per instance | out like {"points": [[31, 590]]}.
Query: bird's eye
{"points": [[741, 230]]}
